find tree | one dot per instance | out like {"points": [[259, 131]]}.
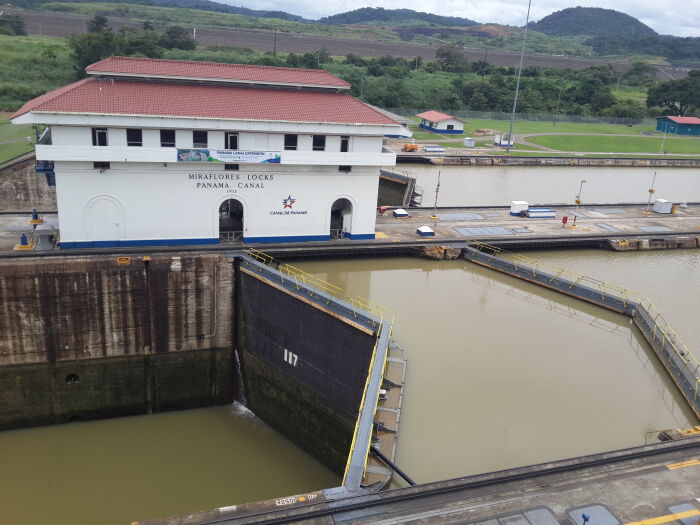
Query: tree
{"points": [[147, 26], [177, 37], [89, 48], [676, 96], [478, 102], [453, 58], [625, 109], [98, 24], [12, 25]]}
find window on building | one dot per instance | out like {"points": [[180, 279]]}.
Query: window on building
{"points": [[450, 126], [199, 139], [344, 144], [319, 143], [100, 165], [134, 137], [231, 140], [231, 167], [99, 136], [290, 142], [167, 138], [345, 168]]}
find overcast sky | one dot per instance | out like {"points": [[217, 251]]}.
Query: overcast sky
{"points": [[668, 17]]}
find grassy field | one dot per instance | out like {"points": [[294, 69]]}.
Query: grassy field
{"points": [[524, 127], [602, 144], [9, 133], [30, 66]]}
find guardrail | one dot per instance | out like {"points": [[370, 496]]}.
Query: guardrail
{"points": [[362, 436], [680, 362], [356, 302]]}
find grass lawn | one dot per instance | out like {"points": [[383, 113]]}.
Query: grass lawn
{"points": [[521, 127], [604, 144], [9, 132], [31, 66]]}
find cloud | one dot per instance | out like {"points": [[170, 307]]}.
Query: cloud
{"points": [[668, 18]]}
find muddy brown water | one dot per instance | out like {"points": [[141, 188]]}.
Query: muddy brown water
{"points": [[501, 373]]}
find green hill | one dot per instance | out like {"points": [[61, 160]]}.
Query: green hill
{"points": [[369, 15], [592, 21], [202, 5]]}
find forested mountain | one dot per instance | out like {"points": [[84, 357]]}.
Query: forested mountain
{"points": [[591, 21], [367, 15]]}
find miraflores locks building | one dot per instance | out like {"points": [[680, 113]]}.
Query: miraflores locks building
{"points": [[165, 152]]}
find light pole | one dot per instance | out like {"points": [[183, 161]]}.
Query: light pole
{"points": [[437, 191], [651, 191], [663, 140], [578, 197], [517, 82]]}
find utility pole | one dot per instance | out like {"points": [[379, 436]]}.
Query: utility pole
{"points": [[274, 47], [651, 191], [509, 140], [437, 191], [578, 197]]}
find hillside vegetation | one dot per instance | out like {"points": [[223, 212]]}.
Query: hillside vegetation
{"points": [[379, 15], [591, 21], [204, 5]]}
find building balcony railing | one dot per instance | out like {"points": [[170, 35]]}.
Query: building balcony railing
{"points": [[207, 156]]}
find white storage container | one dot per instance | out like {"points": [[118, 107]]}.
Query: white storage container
{"points": [[663, 206], [518, 206]]}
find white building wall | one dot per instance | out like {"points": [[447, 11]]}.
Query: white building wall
{"points": [[216, 140], [115, 137], [366, 144], [252, 141], [71, 135], [304, 143], [151, 138], [183, 138], [458, 125], [333, 143], [139, 202]]}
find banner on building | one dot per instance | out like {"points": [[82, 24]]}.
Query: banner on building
{"points": [[227, 155]]}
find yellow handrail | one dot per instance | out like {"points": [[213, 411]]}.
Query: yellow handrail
{"points": [[660, 324], [297, 274]]}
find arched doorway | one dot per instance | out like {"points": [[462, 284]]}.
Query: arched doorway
{"points": [[104, 219], [231, 221], [341, 218]]}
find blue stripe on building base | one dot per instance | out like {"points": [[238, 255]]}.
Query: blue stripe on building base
{"points": [[443, 131], [287, 238], [358, 236], [69, 245]]}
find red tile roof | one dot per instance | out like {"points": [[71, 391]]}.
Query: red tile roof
{"points": [[151, 67], [684, 120], [126, 97], [435, 116]]}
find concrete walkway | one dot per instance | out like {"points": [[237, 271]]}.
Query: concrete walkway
{"points": [[455, 225]]}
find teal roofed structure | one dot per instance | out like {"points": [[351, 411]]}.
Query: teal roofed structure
{"points": [[678, 125]]}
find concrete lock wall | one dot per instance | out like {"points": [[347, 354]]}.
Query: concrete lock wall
{"points": [[101, 336], [304, 368], [90, 337], [22, 189]]}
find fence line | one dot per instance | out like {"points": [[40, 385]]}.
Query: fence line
{"points": [[535, 117]]}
